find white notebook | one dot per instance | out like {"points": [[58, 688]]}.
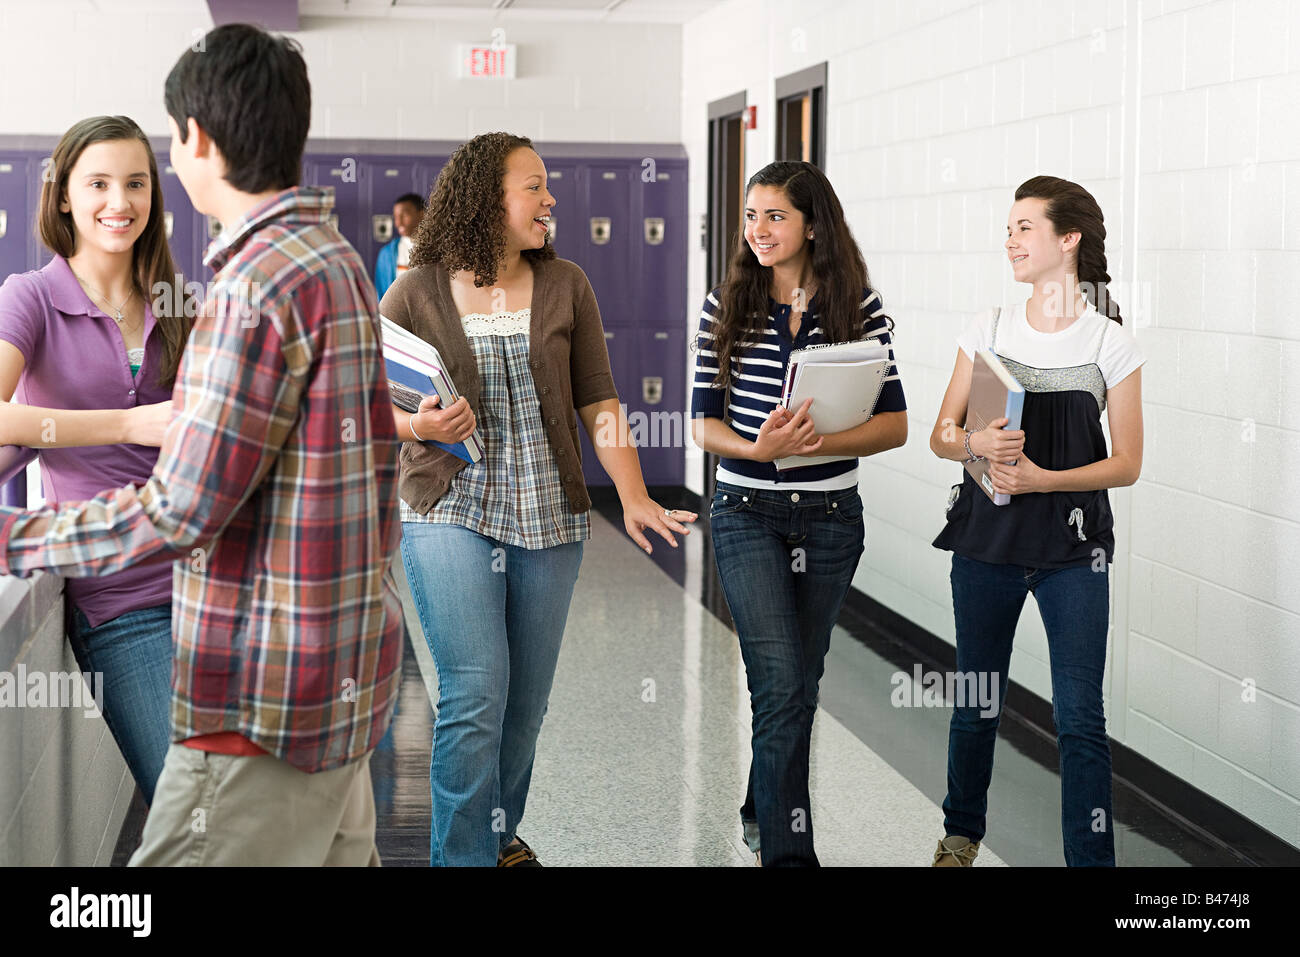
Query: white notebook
{"points": [[843, 380]]}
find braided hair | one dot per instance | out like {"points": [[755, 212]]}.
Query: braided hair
{"points": [[1070, 209]]}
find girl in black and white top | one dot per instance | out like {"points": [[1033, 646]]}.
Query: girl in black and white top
{"points": [[1067, 347], [786, 543]]}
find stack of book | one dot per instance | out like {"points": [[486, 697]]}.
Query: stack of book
{"points": [[415, 372]]}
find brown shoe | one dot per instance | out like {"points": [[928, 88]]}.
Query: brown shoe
{"points": [[956, 851]]}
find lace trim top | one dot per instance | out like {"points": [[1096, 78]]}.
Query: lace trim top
{"points": [[497, 324], [515, 493]]}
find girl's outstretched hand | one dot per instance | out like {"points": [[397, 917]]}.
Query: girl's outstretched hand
{"points": [[647, 514]]}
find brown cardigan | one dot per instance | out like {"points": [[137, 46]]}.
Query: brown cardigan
{"points": [[566, 350]]}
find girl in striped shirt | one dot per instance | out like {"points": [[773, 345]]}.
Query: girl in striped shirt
{"points": [[787, 544]]}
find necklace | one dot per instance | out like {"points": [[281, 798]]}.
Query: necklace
{"points": [[117, 309]]}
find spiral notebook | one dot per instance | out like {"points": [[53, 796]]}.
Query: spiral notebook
{"points": [[844, 380]]}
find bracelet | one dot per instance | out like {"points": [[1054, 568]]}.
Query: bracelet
{"points": [[971, 456], [410, 424]]}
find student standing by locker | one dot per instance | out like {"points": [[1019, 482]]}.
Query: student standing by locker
{"points": [[93, 369], [395, 258], [492, 549], [787, 544], [275, 486], [1067, 347]]}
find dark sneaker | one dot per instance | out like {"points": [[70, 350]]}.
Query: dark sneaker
{"points": [[517, 854]]}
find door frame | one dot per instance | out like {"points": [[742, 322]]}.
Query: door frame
{"points": [[726, 138], [810, 82]]}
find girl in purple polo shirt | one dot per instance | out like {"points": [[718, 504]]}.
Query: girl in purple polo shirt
{"points": [[93, 367]]}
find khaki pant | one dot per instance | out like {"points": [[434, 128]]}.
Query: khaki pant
{"points": [[226, 810]]}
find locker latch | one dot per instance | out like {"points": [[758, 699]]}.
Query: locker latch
{"points": [[654, 230], [600, 230], [214, 227], [4, 222], [550, 227], [167, 223], [381, 227], [652, 389]]}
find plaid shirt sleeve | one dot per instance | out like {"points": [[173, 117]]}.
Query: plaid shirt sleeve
{"points": [[237, 400]]}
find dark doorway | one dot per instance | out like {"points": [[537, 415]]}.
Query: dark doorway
{"points": [[726, 182], [801, 116]]}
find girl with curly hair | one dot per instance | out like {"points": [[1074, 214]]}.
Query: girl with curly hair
{"points": [[492, 549]]}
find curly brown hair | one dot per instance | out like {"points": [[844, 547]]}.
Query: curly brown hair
{"points": [[464, 227]]}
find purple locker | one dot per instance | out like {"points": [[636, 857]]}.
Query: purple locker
{"points": [[181, 217], [37, 164], [562, 180], [426, 173], [16, 250], [608, 238], [386, 178], [620, 343], [15, 214], [658, 401], [347, 178], [661, 239], [13, 494]]}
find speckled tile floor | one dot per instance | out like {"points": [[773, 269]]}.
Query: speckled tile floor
{"points": [[644, 751], [643, 755]]}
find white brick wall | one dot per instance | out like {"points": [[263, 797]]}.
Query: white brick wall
{"points": [[387, 79], [936, 111]]}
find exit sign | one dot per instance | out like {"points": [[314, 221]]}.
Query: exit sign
{"points": [[486, 60]]}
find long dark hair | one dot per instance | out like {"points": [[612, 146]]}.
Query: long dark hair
{"points": [[837, 265], [464, 226], [151, 259], [1071, 208]]}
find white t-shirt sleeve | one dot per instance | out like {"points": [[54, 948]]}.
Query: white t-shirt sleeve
{"points": [[1120, 355], [978, 334]]}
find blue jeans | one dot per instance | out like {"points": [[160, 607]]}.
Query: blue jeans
{"points": [[1075, 605], [786, 560], [134, 654], [493, 616]]}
